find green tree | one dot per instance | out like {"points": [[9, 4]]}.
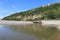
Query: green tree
{"points": [[50, 15]]}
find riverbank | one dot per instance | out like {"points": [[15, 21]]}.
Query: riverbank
{"points": [[43, 22], [6, 22], [51, 22]]}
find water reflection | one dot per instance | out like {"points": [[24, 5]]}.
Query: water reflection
{"points": [[36, 30], [26, 32], [1, 27], [10, 33]]}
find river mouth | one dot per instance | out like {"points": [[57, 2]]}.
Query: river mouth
{"points": [[26, 32]]}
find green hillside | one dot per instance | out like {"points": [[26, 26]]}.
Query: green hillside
{"points": [[46, 12]]}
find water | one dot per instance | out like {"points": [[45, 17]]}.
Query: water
{"points": [[24, 32], [15, 33]]}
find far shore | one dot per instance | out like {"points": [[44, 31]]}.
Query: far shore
{"points": [[8, 22], [51, 22], [44, 22]]}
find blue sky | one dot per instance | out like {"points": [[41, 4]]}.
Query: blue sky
{"points": [[8, 7]]}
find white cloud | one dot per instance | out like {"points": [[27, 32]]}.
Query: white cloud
{"points": [[4, 13], [1, 16]]}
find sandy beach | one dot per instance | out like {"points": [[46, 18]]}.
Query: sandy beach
{"points": [[44, 22], [51, 22], [6, 22]]}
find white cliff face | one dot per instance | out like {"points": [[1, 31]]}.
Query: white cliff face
{"points": [[31, 17], [36, 16]]}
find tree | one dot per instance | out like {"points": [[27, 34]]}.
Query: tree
{"points": [[51, 15]]}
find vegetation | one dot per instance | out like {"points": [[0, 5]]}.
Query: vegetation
{"points": [[47, 12]]}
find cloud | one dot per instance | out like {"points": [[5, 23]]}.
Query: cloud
{"points": [[4, 13], [1, 16]]}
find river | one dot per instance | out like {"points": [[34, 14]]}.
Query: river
{"points": [[23, 32], [15, 32]]}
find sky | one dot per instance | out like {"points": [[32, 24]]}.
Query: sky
{"points": [[8, 7]]}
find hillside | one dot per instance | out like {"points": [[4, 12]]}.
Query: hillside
{"points": [[46, 12]]}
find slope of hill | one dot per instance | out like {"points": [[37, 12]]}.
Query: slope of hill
{"points": [[46, 12]]}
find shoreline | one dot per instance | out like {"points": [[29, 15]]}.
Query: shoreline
{"points": [[51, 22], [7, 22], [43, 22]]}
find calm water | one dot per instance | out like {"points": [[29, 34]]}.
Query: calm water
{"points": [[21, 32], [24, 32]]}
